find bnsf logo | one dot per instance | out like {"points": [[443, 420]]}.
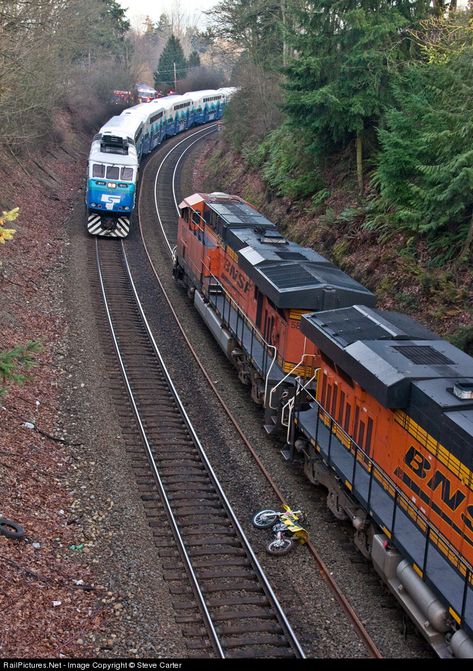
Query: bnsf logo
{"points": [[236, 276], [422, 468]]}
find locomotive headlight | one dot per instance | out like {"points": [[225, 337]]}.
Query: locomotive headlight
{"points": [[111, 185], [93, 204]]}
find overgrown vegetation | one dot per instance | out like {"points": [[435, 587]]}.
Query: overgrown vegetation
{"points": [[425, 166], [48, 49], [383, 86]]}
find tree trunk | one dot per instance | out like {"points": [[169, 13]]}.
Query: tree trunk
{"points": [[284, 28], [359, 160]]}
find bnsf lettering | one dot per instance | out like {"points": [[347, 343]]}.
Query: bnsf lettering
{"points": [[420, 466], [452, 502], [238, 277], [417, 462]]}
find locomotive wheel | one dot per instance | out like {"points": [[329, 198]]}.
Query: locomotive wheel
{"points": [[11, 529], [265, 519], [279, 547]]}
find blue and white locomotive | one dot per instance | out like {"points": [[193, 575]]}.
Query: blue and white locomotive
{"points": [[119, 145], [111, 177]]}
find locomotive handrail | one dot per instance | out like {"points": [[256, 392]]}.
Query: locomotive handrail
{"points": [[253, 328], [467, 571], [266, 382], [273, 389], [292, 401]]}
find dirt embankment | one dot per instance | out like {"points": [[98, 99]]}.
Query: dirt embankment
{"points": [[50, 599], [398, 270]]}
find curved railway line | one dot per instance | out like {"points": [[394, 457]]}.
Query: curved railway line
{"points": [[224, 603], [358, 625]]}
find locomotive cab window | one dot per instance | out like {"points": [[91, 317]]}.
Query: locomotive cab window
{"points": [[127, 173], [185, 214], [98, 170], [113, 172]]}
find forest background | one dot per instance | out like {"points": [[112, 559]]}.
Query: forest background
{"points": [[353, 118]]}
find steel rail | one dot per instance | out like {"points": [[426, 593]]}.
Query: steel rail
{"points": [[246, 543], [345, 604], [202, 132], [151, 458], [277, 612]]}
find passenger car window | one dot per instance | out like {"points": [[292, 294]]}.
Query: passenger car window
{"points": [[98, 170], [113, 172], [127, 173]]}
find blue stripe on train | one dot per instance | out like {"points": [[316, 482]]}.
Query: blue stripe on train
{"points": [[102, 198]]}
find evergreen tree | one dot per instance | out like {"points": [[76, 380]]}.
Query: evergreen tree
{"points": [[425, 171], [194, 60], [339, 84], [163, 27], [256, 26], [171, 61]]}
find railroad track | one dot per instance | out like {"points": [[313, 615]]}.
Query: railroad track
{"points": [[166, 202], [240, 615]]}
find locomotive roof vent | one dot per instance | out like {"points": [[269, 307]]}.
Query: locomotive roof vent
{"points": [[219, 194], [113, 144], [463, 390], [271, 236]]}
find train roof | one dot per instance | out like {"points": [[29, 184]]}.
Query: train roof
{"points": [[403, 366], [228, 91], [141, 111], [197, 95], [112, 158], [124, 126], [289, 275]]}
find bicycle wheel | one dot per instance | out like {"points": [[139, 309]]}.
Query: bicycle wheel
{"points": [[264, 519], [279, 547]]}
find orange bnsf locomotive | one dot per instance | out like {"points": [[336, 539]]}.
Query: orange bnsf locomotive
{"points": [[379, 408], [256, 284]]}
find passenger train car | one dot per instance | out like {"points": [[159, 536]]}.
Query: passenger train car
{"points": [[125, 139], [379, 409]]}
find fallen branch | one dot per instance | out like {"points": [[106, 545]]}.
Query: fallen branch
{"points": [[63, 441], [36, 576]]}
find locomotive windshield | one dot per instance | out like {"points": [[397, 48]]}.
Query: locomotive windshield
{"points": [[113, 172], [98, 170], [127, 173]]}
